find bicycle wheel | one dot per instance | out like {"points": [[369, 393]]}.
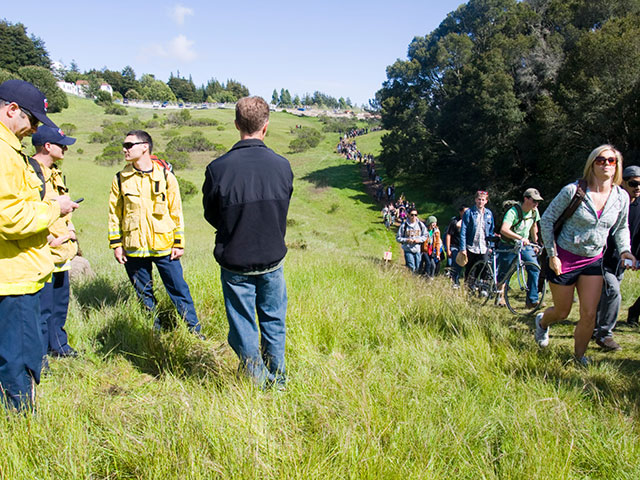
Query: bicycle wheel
{"points": [[480, 283], [516, 289]]}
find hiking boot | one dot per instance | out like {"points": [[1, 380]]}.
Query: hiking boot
{"points": [[608, 344], [69, 353], [541, 334]]}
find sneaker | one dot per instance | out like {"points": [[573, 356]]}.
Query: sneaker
{"points": [[582, 361], [608, 344], [542, 334]]}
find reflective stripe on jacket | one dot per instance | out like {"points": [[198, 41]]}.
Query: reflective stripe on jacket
{"points": [[25, 258], [145, 212]]}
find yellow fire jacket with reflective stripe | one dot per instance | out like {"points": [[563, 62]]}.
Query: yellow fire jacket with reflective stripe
{"points": [[145, 212], [62, 254], [25, 258]]}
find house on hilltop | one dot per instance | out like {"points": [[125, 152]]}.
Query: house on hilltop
{"points": [[80, 88]]}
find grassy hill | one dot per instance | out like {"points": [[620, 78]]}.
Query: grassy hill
{"points": [[389, 376]]}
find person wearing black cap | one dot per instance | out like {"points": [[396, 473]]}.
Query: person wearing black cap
{"points": [[25, 259], [631, 184], [51, 144], [611, 298]]}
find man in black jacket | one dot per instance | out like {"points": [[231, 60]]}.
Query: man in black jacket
{"points": [[246, 197]]}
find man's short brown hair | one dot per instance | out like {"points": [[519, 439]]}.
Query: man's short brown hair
{"points": [[251, 114]]}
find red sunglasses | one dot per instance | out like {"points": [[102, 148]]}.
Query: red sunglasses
{"points": [[603, 160]]}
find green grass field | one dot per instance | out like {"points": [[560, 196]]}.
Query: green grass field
{"points": [[389, 376]]}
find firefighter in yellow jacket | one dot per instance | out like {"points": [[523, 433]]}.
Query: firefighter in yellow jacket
{"points": [[146, 227], [51, 144], [25, 260]]}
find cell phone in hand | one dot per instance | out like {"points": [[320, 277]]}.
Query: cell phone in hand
{"points": [[81, 199]]}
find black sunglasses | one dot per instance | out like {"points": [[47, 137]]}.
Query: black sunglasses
{"points": [[128, 145], [633, 183], [64, 148], [32, 119]]}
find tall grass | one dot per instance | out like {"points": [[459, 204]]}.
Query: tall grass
{"points": [[389, 376]]}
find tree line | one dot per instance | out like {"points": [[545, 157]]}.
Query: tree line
{"points": [[25, 56], [320, 99], [508, 94]]}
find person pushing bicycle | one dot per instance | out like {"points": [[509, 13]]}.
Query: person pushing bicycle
{"points": [[520, 225]]}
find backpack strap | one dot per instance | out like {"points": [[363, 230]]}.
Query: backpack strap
{"points": [[36, 168], [575, 202], [519, 215]]}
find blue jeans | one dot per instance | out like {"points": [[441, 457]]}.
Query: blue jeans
{"points": [[140, 274], [528, 255], [412, 260], [455, 268], [54, 305], [20, 349], [260, 347], [429, 265]]}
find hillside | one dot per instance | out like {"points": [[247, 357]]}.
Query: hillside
{"points": [[389, 377]]}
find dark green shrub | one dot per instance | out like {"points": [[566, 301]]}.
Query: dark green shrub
{"points": [[103, 98], [111, 155], [115, 131], [179, 160], [183, 117], [196, 142], [115, 109], [68, 128], [306, 138], [187, 188]]}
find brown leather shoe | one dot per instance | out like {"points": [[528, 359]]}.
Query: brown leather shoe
{"points": [[609, 344]]}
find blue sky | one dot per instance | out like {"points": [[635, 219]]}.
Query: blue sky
{"points": [[338, 48]]}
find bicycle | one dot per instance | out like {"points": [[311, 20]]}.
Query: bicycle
{"points": [[482, 283]]}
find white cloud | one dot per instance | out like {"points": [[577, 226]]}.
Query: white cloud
{"points": [[180, 48], [179, 12]]}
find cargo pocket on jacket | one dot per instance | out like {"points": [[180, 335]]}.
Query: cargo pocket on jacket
{"points": [[131, 220], [163, 224]]}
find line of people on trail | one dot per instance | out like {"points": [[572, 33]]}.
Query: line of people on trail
{"points": [[145, 228], [356, 132], [585, 240]]}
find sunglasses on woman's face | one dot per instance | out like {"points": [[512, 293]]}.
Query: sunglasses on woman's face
{"points": [[608, 160], [633, 184]]}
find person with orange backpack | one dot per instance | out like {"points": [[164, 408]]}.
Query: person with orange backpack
{"points": [[146, 227]]}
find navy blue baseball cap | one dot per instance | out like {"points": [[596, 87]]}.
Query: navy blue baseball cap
{"points": [[46, 134], [27, 96]]}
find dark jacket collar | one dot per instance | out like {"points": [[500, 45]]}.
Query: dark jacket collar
{"points": [[250, 142]]}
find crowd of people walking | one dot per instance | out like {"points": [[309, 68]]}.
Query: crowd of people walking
{"points": [[585, 240]]}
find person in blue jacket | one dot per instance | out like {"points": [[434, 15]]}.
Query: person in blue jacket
{"points": [[477, 225]]}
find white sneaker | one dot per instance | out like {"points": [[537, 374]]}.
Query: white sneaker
{"points": [[542, 334]]}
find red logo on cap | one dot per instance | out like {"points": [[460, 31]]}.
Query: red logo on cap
{"points": [[46, 105], [61, 132]]}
